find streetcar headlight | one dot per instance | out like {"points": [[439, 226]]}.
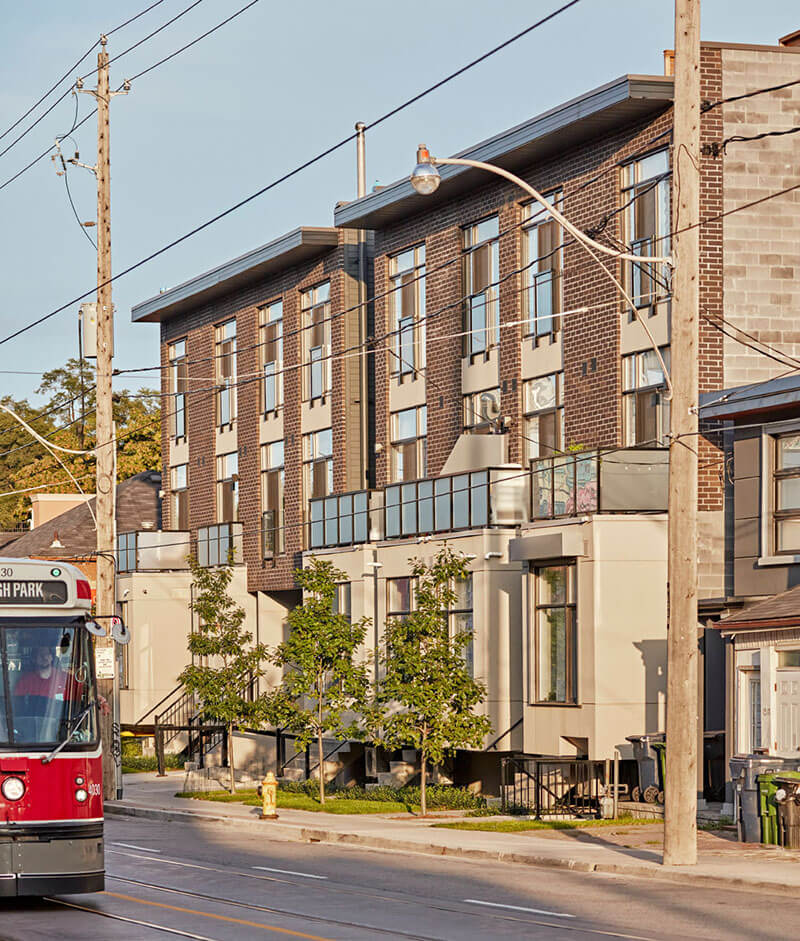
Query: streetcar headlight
{"points": [[13, 788], [79, 780], [81, 795]]}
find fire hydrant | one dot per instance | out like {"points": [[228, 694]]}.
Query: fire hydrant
{"points": [[269, 797]]}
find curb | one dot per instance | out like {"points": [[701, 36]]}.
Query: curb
{"points": [[302, 834]]}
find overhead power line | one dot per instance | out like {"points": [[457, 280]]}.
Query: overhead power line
{"points": [[281, 179]]}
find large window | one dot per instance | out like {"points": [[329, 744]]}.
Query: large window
{"points": [[481, 276], [226, 373], [399, 597], [272, 498], [646, 216], [271, 344], [645, 408], [554, 655], [786, 497], [318, 464], [544, 415], [228, 488], [460, 618], [316, 312], [482, 412], [409, 430], [543, 263], [179, 496], [178, 387], [407, 304]]}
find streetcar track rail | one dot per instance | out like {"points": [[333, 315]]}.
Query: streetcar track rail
{"points": [[440, 905]]}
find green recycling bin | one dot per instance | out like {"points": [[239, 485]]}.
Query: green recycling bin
{"points": [[768, 785]]}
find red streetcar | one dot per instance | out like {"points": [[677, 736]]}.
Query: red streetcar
{"points": [[51, 779]]}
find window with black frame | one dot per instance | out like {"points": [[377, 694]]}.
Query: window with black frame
{"points": [[786, 494], [272, 507], [179, 496], [645, 406], [316, 313], [271, 343], [409, 429], [481, 277], [179, 386], [407, 305], [543, 238], [544, 415], [553, 655], [225, 350], [460, 619], [228, 487], [646, 226]]}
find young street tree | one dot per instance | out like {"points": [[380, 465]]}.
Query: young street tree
{"points": [[427, 695], [323, 680], [228, 660]]}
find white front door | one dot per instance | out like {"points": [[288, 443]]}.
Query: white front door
{"points": [[788, 702]]}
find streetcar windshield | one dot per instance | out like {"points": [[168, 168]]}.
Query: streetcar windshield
{"points": [[46, 683]]}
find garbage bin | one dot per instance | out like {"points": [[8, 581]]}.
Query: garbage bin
{"points": [[745, 770], [767, 808], [648, 762], [787, 800], [714, 766], [661, 750]]}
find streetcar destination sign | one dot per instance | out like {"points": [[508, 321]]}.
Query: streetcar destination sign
{"points": [[32, 591]]}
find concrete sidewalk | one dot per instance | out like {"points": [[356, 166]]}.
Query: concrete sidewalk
{"points": [[721, 863]]}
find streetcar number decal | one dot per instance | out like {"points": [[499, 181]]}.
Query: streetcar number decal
{"points": [[94, 790], [32, 591]]}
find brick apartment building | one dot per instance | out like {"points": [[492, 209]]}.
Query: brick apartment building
{"points": [[506, 400]]}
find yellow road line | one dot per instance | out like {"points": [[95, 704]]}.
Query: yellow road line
{"points": [[235, 921]]}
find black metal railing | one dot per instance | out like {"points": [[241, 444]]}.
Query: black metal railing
{"points": [[340, 520], [629, 480], [552, 787]]}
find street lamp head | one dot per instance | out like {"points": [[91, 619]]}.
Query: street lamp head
{"points": [[425, 177]]}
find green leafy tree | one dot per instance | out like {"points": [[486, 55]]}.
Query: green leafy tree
{"points": [[427, 696], [228, 660], [323, 680]]}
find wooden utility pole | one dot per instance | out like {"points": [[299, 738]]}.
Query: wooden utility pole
{"points": [[105, 603], [680, 818]]}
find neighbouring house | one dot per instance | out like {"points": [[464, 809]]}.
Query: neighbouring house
{"points": [[493, 392], [762, 622]]}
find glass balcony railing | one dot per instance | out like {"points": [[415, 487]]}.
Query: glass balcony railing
{"points": [[437, 505], [630, 480], [339, 520]]}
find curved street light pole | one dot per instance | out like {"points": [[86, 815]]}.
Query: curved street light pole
{"points": [[425, 179]]}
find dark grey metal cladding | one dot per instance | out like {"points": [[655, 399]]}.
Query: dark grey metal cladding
{"points": [[290, 249], [760, 397], [615, 104]]}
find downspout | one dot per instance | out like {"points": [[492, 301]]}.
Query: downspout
{"points": [[367, 480]]}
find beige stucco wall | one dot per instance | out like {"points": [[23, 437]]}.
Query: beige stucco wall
{"points": [[621, 638], [497, 610], [762, 244], [157, 611]]}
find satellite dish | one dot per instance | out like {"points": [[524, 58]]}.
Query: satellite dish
{"points": [[95, 629], [490, 406], [120, 632]]}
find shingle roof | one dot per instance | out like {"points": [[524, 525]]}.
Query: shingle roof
{"points": [[784, 607], [138, 503]]}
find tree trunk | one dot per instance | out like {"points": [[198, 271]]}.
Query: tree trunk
{"points": [[423, 795], [231, 767], [321, 769]]}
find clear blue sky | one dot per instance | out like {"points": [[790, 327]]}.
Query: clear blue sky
{"points": [[276, 85]]}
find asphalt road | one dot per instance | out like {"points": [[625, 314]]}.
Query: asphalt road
{"points": [[216, 884]]}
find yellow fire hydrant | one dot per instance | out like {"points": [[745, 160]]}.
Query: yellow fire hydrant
{"points": [[269, 797]]}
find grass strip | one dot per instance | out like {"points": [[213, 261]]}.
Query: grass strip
{"points": [[516, 826]]}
